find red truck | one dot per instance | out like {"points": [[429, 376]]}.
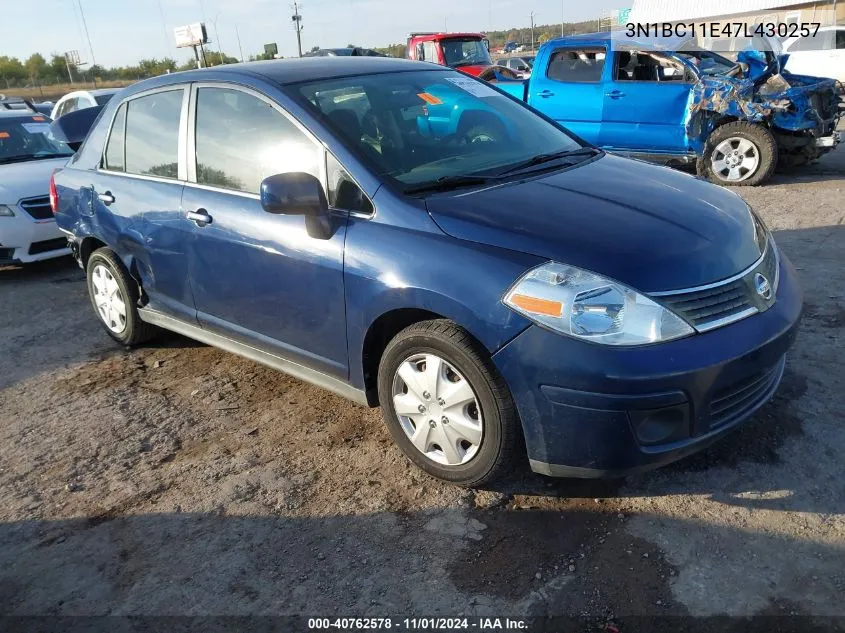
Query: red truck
{"points": [[467, 52]]}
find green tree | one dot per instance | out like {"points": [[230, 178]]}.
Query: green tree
{"points": [[12, 71], [213, 58], [36, 67]]}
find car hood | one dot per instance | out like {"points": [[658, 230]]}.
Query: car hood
{"points": [[25, 180], [649, 227]]}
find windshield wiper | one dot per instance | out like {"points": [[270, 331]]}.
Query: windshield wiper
{"points": [[539, 159], [447, 183]]}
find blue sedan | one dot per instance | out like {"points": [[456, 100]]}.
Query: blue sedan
{"points": [[499, 287]]}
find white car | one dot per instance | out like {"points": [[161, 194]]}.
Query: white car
{"points": [[28, 156], [81, 99], [520, 65], [822, 55]]}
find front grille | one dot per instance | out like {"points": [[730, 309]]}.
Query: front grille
{"points": [[36, 248], [38, 208], [735, 400], [730, 301], [706, 306]]}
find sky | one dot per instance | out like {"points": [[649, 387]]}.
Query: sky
{"points": [[124, 31]]}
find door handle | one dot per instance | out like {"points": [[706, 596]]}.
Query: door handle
{"points": [[106, 198], [200, 216], [545, 94], [614, 94]]}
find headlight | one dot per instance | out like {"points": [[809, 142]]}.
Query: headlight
{"points": [[6, 212], [582, 304]]}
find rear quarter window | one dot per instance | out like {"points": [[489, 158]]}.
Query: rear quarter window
{"points": [[577, 65], [115, 155]]}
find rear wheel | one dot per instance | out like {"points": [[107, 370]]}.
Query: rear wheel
{"points": [[114, 296], [446, 406], [739, 154]]}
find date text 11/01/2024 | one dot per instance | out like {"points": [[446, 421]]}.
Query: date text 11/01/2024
{"points": [[721, 30], [418, 624]]}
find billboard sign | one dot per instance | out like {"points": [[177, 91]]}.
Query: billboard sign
{"points": [[271, 49], [190, 35]]}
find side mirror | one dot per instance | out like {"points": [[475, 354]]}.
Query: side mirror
{"points": [[72, 128], [295, 193]]}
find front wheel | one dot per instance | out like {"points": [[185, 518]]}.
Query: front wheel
{"points": [[739, 154], [446, 406]]}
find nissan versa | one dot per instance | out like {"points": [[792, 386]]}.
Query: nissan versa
{"points": [[410, 237]]}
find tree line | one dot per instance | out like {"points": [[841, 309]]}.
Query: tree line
{"points": [[38, 70]]}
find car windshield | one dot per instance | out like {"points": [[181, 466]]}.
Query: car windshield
{"points": [[464, 52], [28, 138], [423, 126], [707, 62]]}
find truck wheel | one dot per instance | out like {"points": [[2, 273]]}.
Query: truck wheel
{"points": [[739, 154], [446, 406], [114, 295]]}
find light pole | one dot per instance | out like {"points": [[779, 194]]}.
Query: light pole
{"points": [[561, 17], [217, 36], [240, 49], [531, 15]]}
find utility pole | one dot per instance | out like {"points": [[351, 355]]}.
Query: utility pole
{"points": [[88, 37], [240, 49], [69, 74], [531, 15], [297, 23]]}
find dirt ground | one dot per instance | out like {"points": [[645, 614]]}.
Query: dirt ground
{"points": [[178, 479]]}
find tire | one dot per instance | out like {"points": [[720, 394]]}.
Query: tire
{"points": [[739, 134], [494, 453], [107, 280]]}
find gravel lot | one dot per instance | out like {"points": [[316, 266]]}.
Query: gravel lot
{"points": [[178, 479]]}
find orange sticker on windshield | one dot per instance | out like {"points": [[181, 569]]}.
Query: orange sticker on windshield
{"points": [[429, 99], [38, 118], [4, 135]]}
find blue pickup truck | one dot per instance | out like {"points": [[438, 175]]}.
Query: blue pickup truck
{"points": [[735, 120]]}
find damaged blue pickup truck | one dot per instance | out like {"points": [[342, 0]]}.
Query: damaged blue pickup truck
{"points": [[737, 121]]}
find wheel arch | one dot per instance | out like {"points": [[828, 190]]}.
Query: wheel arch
{"points": [[378, 335], [87, 246]]}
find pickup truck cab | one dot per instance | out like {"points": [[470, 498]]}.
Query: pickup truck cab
{"points": [[467, 52], [735, 121]]}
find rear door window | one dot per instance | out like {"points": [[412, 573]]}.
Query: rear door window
{"points": [[152, 134], [577, 65], [241, 139]]}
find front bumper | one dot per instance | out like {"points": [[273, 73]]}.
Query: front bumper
{"points": [[829, 141], [24, 240], [589, 410]]}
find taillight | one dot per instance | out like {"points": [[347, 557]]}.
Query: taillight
{"points": [[54, 195]]}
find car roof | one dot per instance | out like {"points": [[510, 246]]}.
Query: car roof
{"points": [[291, 71]]}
